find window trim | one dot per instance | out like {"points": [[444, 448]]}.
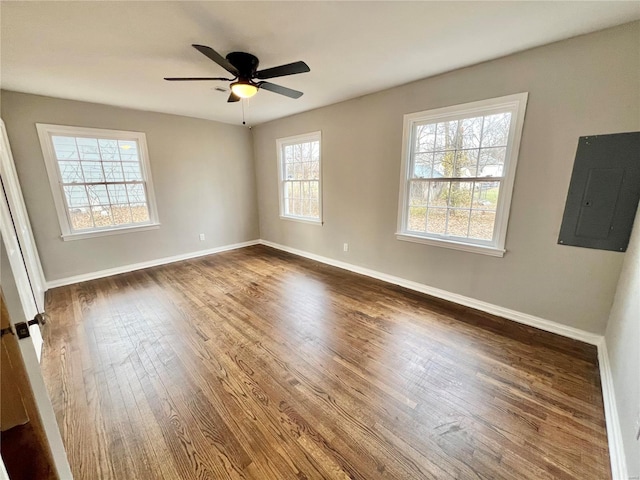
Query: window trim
{"points": [[282, 142], [515, 103], [46, 131]]}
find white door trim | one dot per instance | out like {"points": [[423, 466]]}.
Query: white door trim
{"points": [[16, 263], [3, 471], [18, 211], [27, 348]]}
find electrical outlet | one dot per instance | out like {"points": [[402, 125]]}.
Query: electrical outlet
{"points": [[202, 237], [345, 247]]}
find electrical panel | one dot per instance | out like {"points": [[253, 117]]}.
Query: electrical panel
{"points": [[604, 192]]}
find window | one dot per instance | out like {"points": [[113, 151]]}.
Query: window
{"points": [[100, 180], [300, 177], [458, 167]]}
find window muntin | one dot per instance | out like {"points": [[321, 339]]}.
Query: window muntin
{"points": [[100, 179], [459, 164], [299, 169]]}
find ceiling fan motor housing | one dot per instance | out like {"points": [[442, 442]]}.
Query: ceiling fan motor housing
{"points": [[246, 64]]}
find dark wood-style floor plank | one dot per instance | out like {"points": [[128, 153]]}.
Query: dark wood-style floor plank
{"points": [[256, 364]]}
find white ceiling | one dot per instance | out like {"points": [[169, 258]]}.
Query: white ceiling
{"points": [[117, 53]]}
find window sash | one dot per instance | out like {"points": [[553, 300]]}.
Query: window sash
{"points": [[109, 203], [116, 219], [456, 179], [307, 180], [430, 145], [123, 182], [447, 208]]}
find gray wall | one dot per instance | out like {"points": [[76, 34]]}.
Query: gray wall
{"points": [[583, 86], [623, 338], [203, 174]]}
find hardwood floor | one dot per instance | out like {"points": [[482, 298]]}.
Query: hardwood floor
{"points": [[257, 364]]}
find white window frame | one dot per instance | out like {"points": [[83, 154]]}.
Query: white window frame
{"points": [[516, 104], [46, 131], [284, 142]]}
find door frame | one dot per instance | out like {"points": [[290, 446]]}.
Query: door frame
{"points": [[18, 266], [18, 211]]}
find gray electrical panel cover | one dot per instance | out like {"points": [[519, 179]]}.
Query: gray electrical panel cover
{"points": [[604, 192]]}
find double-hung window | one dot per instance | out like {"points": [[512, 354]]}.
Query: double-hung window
{"points": [[458, 168], [300, 177], [100, 180]]}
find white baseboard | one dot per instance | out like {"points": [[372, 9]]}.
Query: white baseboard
{"points": [[614, 435], [524, 318], [151, 263]]}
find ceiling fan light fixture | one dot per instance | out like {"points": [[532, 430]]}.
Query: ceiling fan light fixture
{"points": [[244, 89]]}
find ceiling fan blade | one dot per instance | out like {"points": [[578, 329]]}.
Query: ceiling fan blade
{"points": [[216, 57], [233, 98], [191, 79], [283, 70], [287, 92]]}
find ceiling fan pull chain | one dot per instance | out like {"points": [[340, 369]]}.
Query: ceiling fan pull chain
{"points": [[243, 122]]}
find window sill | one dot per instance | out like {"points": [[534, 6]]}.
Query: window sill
{"points": [[465, 247], [110, 231], [312, 221]]}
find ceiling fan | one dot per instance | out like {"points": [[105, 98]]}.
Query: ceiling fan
{"points": [[244, 68]]}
